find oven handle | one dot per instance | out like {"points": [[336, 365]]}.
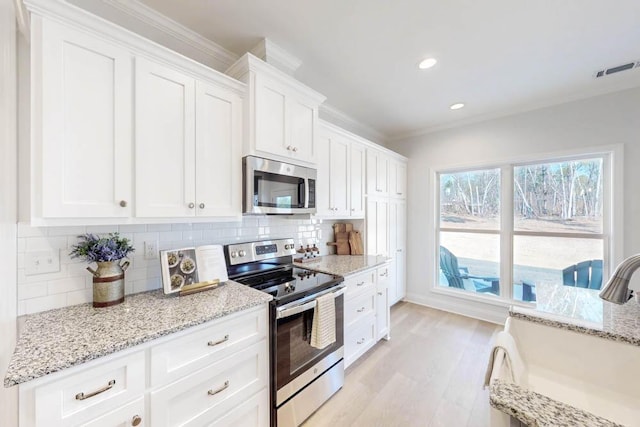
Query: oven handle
{"points": [[287, 310]]}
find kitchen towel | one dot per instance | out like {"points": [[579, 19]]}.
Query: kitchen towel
{"points": [[323, 331], [515, 369]]}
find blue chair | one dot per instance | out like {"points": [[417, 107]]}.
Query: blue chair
{"points": [[585, 274], [458, 277]]}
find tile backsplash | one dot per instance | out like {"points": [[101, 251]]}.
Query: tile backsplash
{"points": [[72, 284]]}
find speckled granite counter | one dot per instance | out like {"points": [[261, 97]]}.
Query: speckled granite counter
{"points": [[581, 310], [58, 339], [537, 410], [343, 265]]}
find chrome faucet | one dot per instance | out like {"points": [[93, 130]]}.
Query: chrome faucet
{"points": [[617, 288]]}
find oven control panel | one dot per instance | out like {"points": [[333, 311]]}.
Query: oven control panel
{"points": [[241, 253]]}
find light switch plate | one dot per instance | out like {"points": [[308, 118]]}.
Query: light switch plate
{"points": [[42, 262]]}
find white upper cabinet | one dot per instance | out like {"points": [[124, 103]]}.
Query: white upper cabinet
{"points": [[165, 141], [80, 124], [281, 115], [188, 136], [397, 179], [340, 184], [377, 173]]}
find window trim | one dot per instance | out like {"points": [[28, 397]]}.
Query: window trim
{"points": [[613, 218]]}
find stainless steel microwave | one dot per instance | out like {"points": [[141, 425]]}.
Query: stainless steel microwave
{"points": [[273, 187]]}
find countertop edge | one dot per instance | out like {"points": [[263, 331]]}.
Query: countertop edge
{"points": [[335, 259], [12, 379]]}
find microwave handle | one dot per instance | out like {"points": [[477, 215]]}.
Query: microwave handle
{"points": [[288, 312], [306, 193]]}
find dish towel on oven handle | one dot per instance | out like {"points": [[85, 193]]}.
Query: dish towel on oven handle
{"points": [[323, 331]]}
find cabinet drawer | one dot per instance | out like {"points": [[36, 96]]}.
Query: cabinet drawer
{"points": [[359, 307], [174, 359], [360, 282], [89, 393], [205, 395], [359, 339], [124, 416], [253, 412]]}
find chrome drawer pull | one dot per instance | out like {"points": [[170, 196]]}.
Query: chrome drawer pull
{"points": [[82, 396], [360, 310], [360, 284], [214, 343], [360, 341], [214, 392]]}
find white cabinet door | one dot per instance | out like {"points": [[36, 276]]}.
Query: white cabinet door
{"points": [[383, 317], [165, 141], [81, 123], [339, 176], [218, 151], [302, 119], [377, 227], [377, 173], [397, 179], [357, 164], [397, 246], [270, 115], [323, 193]]}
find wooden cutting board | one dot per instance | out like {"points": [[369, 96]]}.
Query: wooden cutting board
{"points": [[355, 243], [342, 243]]}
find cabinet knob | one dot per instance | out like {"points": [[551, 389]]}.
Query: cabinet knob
{"points": [[380, 293], [295, 149], [289, 147], [201, 206], [136, 420], [353, 209], [123, 203], [192, 205]]}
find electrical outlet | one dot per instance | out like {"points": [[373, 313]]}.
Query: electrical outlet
{"points": [[151, 249], [42, 262]]}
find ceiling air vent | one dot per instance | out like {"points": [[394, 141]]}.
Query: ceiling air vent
{"points": [[617, 69]]}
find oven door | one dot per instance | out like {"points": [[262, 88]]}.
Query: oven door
{"points": [[295, 362], [272, 187]]}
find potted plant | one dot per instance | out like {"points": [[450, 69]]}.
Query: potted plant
{"points": [[106, 252]]}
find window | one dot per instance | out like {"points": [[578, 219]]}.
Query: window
{"points": [[543, 222]]}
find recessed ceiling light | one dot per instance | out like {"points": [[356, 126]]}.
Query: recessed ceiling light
{"points": [[456, 106], [427, 63]]}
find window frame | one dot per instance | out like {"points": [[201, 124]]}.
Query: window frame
{"points": [[612, 216]]}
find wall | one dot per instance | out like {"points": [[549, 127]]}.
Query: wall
{"points": [[598, 121], [8, 203], [72, 284]]}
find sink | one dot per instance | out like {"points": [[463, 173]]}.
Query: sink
{"points": [[598, 375]]}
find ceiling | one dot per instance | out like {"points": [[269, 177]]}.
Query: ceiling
{"points": [[496, 56]]}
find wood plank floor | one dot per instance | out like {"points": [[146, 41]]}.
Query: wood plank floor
{"points": [[429, 374]]}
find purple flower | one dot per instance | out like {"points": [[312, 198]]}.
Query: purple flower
{"points": [[93, 248]]}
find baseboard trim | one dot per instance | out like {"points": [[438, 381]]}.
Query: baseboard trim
{"points": [[476, 310]]}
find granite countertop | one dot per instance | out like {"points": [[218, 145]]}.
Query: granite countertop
{"points": [[58, 339], [343, 265], [582, 310], [537, 410]]}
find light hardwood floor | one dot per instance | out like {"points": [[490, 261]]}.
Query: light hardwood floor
{"points": [[429, 374]]}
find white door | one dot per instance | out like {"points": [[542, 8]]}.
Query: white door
{"points": [[339, 176], [218, 156], [270, 116], [302, 121], [85, 134], [357, 179], [165, 141]]}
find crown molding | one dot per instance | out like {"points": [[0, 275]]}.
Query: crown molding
{"points": [[275, 55], [341, 119], [176, 30]]}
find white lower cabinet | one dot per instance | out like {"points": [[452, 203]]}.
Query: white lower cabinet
{"points": [[214, 374], [366, 313]]}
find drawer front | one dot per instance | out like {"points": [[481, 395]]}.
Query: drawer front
{"points": [[253, 412], [174, 359], [383, 275], [359, 307], [89, 393], [124, 416], [359, 339], [204, 395], [361, 282]]}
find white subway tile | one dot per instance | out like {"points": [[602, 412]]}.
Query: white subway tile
{"points": [[159, 227], [31, 290], [169, 236], [79, 297], [192, 235], [211, 234], [49, 302], [146, 285], [132, 228], [136, 274], [101, 229], [202, 226], [67, 231], [68, 284], [22, 308], [25, 230], [181, 227], [36, 244]]}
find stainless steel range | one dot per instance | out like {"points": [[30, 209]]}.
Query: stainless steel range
{"points": [[303, 377]]}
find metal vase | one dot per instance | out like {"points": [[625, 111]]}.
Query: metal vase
{"points": [[108, 283]]}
